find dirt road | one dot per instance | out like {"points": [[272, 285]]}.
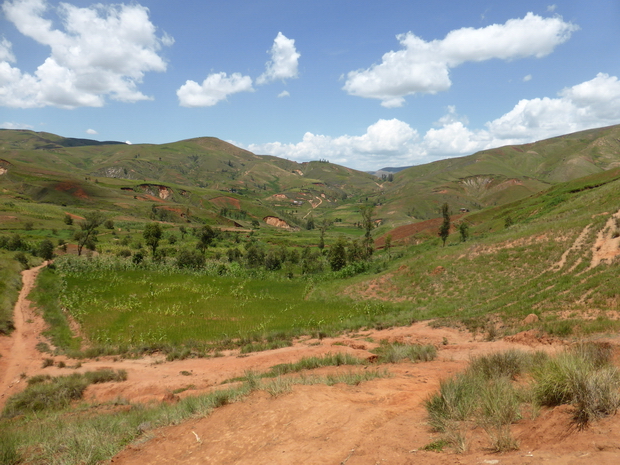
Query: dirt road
{"points": [[19, 357]]}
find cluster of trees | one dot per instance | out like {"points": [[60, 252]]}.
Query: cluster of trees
{"points": [[15, 243]]}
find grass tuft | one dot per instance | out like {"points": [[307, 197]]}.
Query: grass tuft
{"points": [[395, 352]]}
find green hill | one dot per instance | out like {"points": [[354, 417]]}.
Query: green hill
{"points": [[497, 176]]}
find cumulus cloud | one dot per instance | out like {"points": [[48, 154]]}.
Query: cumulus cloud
{"points": [[91, 132], [284, 93], [591, 104], [283, 63], [527, 78], [215, 88], [103, 51], [424, 67], [11, 125], [386, 139]]}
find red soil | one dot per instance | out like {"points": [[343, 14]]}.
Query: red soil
{"points": [[401, 233], [226, 202]]}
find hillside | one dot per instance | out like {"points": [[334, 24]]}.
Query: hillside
{"points": [[190, 174], [502, 175], [186, 174]]}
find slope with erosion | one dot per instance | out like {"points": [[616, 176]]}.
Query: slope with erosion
{"points": [[500, 275], [496, 176]]}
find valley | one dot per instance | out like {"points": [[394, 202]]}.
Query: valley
{"points": [[211, 272]]}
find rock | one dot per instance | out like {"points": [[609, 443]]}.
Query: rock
{"points": [[531, 318]]}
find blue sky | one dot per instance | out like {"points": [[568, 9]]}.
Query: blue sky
{"points": [[366, 84]]}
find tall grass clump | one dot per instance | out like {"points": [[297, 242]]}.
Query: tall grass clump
{"points": [[582, 376], [311, 363], [483, 394], [395, 352], [47, 393], [9, 454]]}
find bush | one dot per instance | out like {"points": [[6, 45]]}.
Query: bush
{"points": [[190, 259]]}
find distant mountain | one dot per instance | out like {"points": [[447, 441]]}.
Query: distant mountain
{"points": [[209, 177], [41, 140], [194, 173]]}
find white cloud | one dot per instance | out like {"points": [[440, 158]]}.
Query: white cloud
{"points": [[284, 93], [10, 125], [391, 140], [103, 51], [527, 78], [91, 132], [551, 8], [424, 67], [283, 63], [215, 88], [6, 54], [591, 104]]}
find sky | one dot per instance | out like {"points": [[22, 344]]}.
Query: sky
{"points": [[363, 83]]}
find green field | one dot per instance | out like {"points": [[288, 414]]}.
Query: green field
{"points": [[120, 305]]}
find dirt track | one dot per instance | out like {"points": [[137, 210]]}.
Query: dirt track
{"points": [[19, 356], [381, 421]]}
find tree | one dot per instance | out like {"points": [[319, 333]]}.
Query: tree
{"points": [[254, 257], [152, 234], [388, 245], [323, 227], [464, 231], [310, 223], [367, 225], [87, 234], [273, 261], [46, 249], [68, 220], [444, 229], [205, 238], [338, 255]]}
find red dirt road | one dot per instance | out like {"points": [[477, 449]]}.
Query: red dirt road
{"points": [[18, 354]]}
